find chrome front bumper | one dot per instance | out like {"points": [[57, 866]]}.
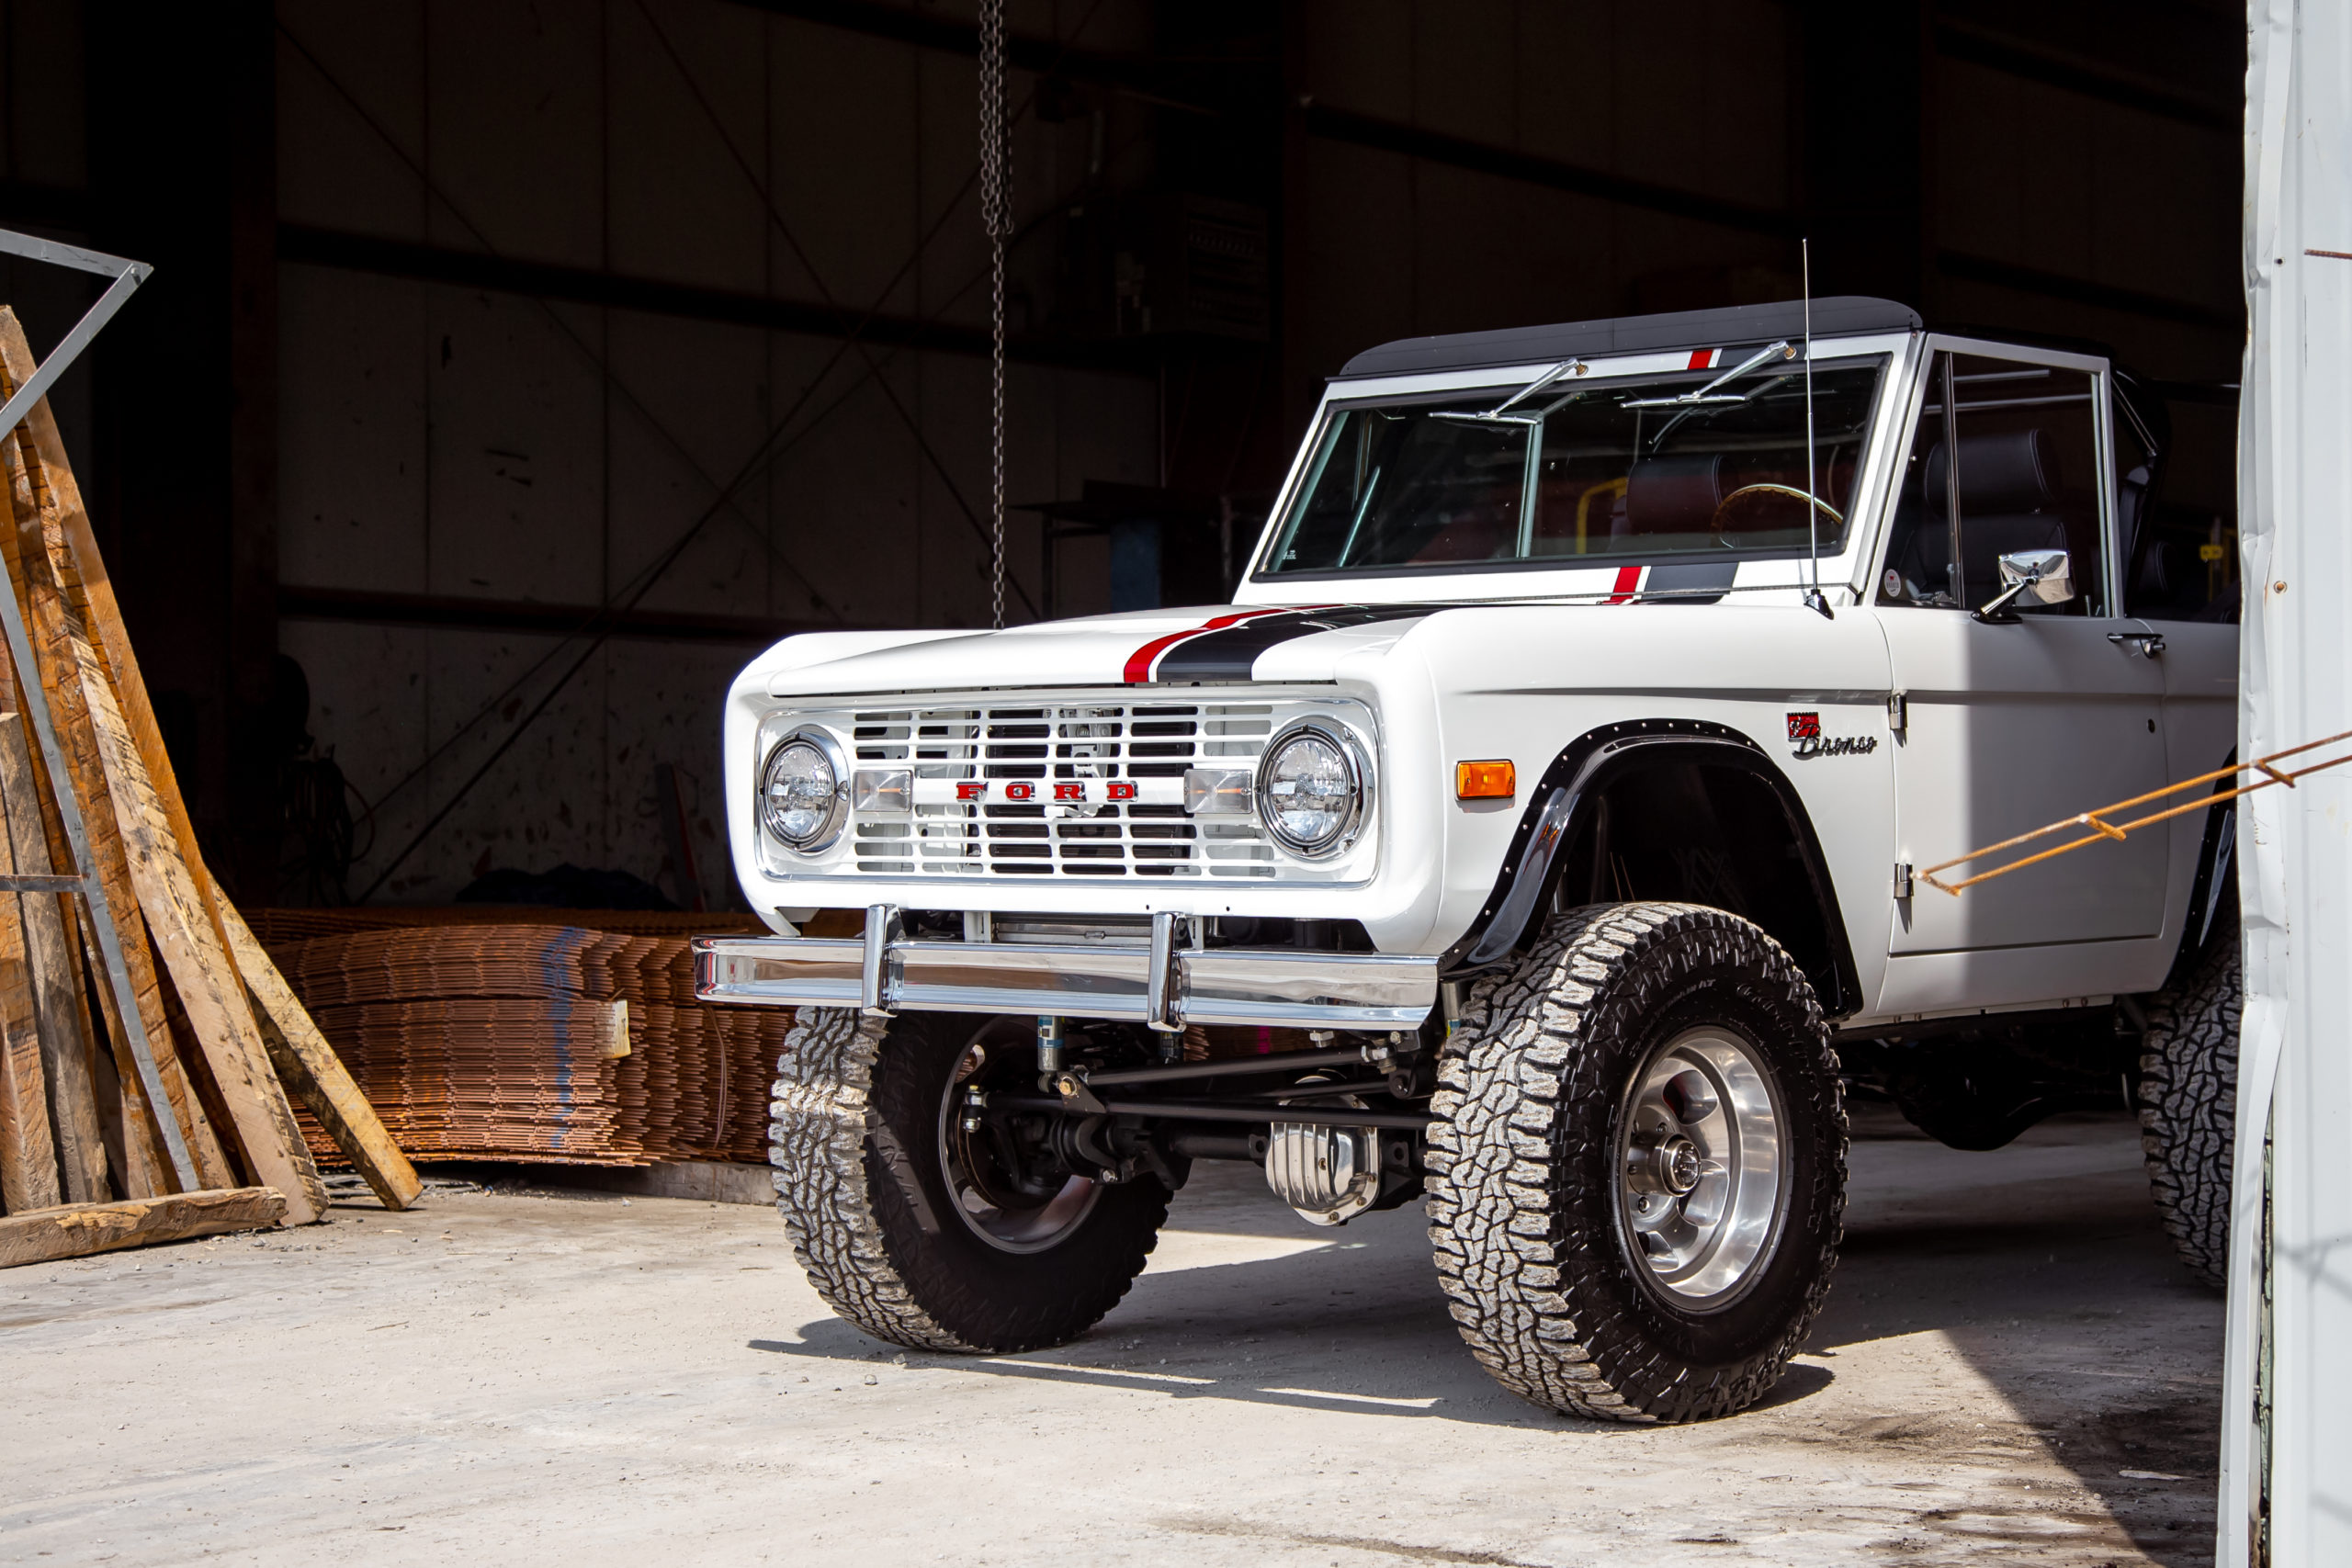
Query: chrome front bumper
{"points": [[1163, 987]]}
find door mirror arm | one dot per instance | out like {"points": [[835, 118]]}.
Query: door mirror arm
{"points": [[1995, 611], [2046, 575]]}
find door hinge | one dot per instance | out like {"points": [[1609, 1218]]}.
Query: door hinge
{"points": [[1898, 711], [1902, 879]]}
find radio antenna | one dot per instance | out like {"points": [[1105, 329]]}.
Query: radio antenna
{"points": [[1811, 491]]}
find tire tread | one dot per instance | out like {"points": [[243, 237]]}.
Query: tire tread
{"points": [[855, 1231], [2189, 1078], [1504, 1132], [817, 1134]]}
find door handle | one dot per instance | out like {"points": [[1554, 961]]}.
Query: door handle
{"points": [[2150, 644]]}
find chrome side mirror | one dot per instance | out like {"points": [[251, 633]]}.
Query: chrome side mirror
{"points": [[2041, 577]]}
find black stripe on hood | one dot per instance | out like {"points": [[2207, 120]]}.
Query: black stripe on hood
{"points": [[1231, 654]]}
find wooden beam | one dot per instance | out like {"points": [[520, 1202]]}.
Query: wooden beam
{"points": [[141, 867], [131, 1143], [91, 591], [28, 1156], [308, 1065], [62, 1018], [27, 1151], [77, 1230], [182, 922], [60, 653], [196, 939]]}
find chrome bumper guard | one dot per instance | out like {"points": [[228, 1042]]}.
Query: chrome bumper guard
{"points": [[1164, 987]]}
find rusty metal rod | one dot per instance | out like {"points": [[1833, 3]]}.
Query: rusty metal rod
{"points": [[2101, 828]]}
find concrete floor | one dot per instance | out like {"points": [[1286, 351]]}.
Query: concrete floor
{"points": [[2011, 1369]]}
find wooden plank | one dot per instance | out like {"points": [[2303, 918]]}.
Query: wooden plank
{"points": [[62, 1022], [308, 1065], [27, 1155], [130, 1139], [207, 982], [184, 909], [76, 1230], [185, 936], [83, 571], [57, 652], [60, 1006], [132, 1146], [27, 1151]]}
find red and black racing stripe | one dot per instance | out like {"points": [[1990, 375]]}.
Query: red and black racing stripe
{"points": [[1139, 663], [1226, 648]]}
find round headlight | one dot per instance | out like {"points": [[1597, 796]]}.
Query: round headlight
{"points": [[1310, 791], [801, 793]]}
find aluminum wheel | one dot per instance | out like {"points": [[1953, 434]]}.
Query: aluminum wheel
{"points": [[1700, 1167], [986, 1199]]}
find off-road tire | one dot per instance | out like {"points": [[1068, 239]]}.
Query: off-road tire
{"points": [[1522, 1214], [2189, 1091], [855, 1124]]}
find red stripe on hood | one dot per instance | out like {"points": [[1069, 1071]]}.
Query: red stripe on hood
{"points": [[1139, 663]]}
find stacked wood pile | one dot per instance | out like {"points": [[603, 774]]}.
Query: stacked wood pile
{"points": [[275, 927], [117, 1131], [480, 1036]]}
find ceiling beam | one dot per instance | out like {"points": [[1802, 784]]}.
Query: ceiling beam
{"points": [[583, 286], [2019, 57], [1389, 136], [2082, 291], [449, 612]]}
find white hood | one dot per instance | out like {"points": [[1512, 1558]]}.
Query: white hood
{"points": [[1201, 643]]}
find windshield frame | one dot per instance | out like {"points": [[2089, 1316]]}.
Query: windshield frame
{"points": [[1554, 575]]}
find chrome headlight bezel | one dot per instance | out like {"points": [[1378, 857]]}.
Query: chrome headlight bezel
{"points": [[1352, 755], [829, 829]]}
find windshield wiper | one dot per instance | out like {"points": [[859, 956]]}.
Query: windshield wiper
{"points": [[1708, 394], [1500, 413]]}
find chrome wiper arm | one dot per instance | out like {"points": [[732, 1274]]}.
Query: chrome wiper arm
{"points": [[1687, 409], [1554, 374], [1707, 394], [1523, 421], [1500, 413]]}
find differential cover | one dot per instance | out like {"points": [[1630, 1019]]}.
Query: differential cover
{"points": [[1327, 1174]]}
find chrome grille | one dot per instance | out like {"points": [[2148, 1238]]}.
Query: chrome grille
{"points": [[1061, 741]]}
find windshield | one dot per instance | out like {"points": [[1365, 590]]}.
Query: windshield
{"points": [[1626, 469]]}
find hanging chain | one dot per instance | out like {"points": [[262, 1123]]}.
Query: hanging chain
{"points": [[996, 217]]}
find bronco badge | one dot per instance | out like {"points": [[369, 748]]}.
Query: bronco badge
{"points": [[1805, 730]]}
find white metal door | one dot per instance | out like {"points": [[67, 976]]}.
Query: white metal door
{"points": [[2200, 671], [2009, 727], [2028, 718]]}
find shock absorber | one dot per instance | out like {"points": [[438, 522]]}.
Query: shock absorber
{"points": [[1049, 1045]]}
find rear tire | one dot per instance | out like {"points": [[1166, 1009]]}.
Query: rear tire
{"points": [[2189, 1093], [864, 1117], [1573, 1086]]}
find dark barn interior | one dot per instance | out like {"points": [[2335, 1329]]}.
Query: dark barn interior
{"points": [[512, 370]]}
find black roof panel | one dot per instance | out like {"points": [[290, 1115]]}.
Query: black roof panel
{"points": [[1843, 315]]}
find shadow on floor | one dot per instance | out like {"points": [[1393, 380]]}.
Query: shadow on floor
{"points": [[2043, 1263]]}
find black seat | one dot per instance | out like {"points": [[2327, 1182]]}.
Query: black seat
{"points": [[2006, 488], [1670, 495]]}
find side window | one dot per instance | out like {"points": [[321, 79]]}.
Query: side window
{"points": [[2025, 477], [2180, 563], [2184, 567]]}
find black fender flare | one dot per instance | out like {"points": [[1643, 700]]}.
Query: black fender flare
{"points": [[2216, 876], [1562, 805]]}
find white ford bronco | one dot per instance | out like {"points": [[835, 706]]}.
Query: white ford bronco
{"points": [[1534, 834]]}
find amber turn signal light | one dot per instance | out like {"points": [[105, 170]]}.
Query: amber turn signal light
{"points": [[1484, 781]]}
